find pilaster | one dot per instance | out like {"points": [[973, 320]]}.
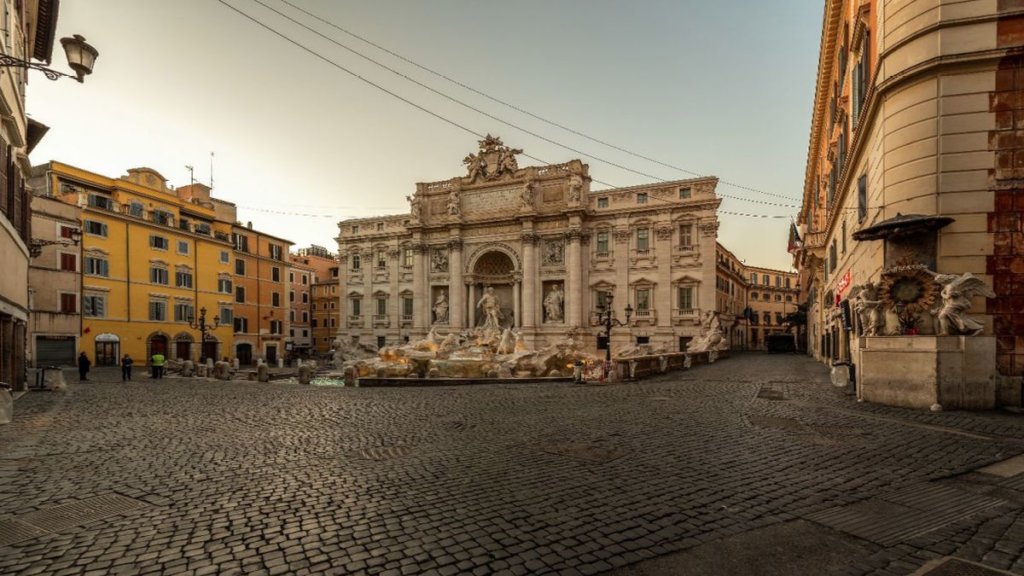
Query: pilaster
{"points": [[529, 290]]}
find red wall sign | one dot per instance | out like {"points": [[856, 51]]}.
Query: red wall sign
{"points": [[841, 286]]}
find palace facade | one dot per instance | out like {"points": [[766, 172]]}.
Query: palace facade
{"points": [[544, 246]]}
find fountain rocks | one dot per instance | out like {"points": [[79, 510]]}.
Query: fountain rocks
{"points": [[481, 353]]}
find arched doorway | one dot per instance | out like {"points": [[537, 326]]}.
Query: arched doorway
{"points": [[495, 270], [183, 346], [243, 351], [157, 344], [107, 349]]}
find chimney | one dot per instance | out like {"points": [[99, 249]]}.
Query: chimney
{"points": [[249, 225]]}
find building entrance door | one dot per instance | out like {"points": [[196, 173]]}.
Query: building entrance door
{"points": [[271, 353], [244, 352]]}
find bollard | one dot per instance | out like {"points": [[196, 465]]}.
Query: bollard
{"points": [[305, 374], [263, 373], [188, 368]]}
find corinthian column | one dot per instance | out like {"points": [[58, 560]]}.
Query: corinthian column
{"points": [[573, 292], [456, 291], [529, 291]]}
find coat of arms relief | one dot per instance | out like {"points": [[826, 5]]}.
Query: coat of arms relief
{"points": [[495, 160]]}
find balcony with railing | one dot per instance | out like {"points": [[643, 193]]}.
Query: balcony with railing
{"points": [[382, 320], [648, 316], [406, 320], [685, 314]]}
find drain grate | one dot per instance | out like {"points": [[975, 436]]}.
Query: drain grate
{"points": [[950, 566], [59, 518], [892, 518], [384, 452], [13, 531], [583, 451]]}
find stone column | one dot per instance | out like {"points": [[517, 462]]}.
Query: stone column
{"points": [[418, 302], [709, 267], [573, 301], [529, 288], [472, 304], [516, 308], [456, 291], [663, 300], [422, 300], [369, 301], [395, 304]]}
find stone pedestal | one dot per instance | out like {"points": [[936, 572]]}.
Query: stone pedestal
{"points": [[936, 372]]}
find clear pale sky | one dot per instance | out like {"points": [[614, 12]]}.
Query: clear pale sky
{"points": [[718, 87]]}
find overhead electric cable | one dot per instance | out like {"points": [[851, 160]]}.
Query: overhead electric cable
{"points": [[488, 114], [426, 110], [518, 108]]}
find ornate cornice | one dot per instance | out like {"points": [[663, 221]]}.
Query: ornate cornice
{"points": [[529, 238]]}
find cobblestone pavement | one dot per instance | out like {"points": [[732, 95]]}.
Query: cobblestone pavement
{"points": [[247, 478]]}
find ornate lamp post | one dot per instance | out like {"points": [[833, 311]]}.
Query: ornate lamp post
{"points": [[203, 328], [35, 248], [606, 318], [81, 58]]}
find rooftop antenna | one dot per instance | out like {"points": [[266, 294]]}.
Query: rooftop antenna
{"points": [[191, 174], [211, 170]]}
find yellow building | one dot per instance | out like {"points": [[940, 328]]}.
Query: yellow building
{"points": [[152, 257]]}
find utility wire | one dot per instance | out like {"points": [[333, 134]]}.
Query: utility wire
{"points": [[517, 108], [484, 112], [426, 110]]}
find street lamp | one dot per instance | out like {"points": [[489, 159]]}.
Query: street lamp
{"points": [[35, 248], [81, 58], [203, 329], [606, 318]]}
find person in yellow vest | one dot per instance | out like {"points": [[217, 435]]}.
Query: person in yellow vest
{"points": [[157, 364]]}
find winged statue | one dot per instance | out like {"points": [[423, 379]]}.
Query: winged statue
{"points": [[957, 291]]}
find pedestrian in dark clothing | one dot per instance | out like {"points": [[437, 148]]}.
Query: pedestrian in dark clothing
{"points": [[83, 366], [126, 368]]}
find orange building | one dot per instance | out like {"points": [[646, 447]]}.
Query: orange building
{"points": [[308, 266], [326, 315], [261, 310]]}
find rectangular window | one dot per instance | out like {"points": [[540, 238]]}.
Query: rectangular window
{"points": [[382, 259], [291, 277], [305, 279], [305, 297], [240, 294], [135, 209], [226, 315], [275, 251], [380, 226], [203, 228], [275, 299], [96, 228], [766, 279], [305, 317], [183, 279], [94, 306], [158, 242], [601, 299], [406, 306], [355, 229], [240, 267], [753, 277], [862, 198], [224, 285], [157, 310], [407, 257], [69, 262], [241, 242], [357, 307], [382, 306], [96, 266], [65, 232], [224, 256], [643, 240], [602, 243], [641, 197], [355, 261], [159, 275], [788, 282], [241, 325], [102, 202], [684, 193], [291, 295], [778, 281], [643, 300], [184, 224], [686, 235], [68, 303], [275, 274], [182, 247], [183, 312], [685, 298], [602, 202], [162, 217]]}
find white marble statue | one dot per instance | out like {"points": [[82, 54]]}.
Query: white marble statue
{"points": [[957, 291], [712, 337], [491, 307], [441, 308], [869, 308], [553, 304]]}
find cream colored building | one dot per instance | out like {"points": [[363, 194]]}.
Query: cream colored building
{"points": [[917, 111], [55, 283], [547, 248]]}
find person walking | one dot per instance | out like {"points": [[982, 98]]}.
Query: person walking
{"points": [[83, 366], [157, 364], [126, 368]]}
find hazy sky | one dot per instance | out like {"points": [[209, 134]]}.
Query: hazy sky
{"points": [[719, 87]]}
